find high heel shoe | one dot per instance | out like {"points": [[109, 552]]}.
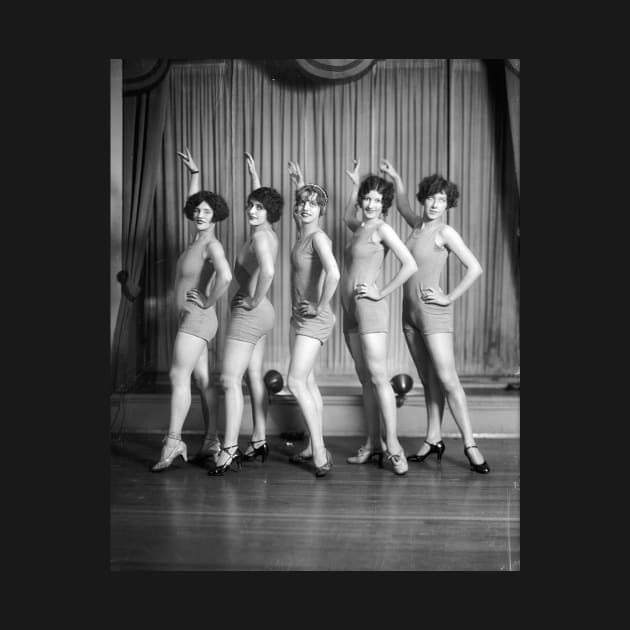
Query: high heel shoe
{"points": [[438, 448], [325, 468], [399, 462], [298, 458], [168, 455], [210, 448], [263, 451], [234, 457], [365, 455], [482, 468]]}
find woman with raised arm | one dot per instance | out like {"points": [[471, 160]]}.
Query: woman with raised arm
{"points": [[428, 311], [202, 276], [366, 312], [252, 317], [314, 279]]}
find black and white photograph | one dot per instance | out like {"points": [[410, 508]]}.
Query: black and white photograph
{"points": [[314, 315]]}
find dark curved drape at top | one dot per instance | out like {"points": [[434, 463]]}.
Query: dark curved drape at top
{"points": [[513, 86], [143, 124], [422, 114]]}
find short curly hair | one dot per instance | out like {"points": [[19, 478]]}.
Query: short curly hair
{"points": [[271, 200], [216, 202], [380, 185], [434, 184], [307, 190]]}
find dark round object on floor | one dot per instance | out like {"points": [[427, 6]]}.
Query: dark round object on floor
{"points": [[273, 381], [401, 383]]}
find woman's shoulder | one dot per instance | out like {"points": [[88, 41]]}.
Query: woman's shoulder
{"points": [[320, 236], [385, 229], [264, 237], [214, 247], [446, 231]]}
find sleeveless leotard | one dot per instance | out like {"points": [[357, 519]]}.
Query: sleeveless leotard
{"points": [[431, 259], [363, 263], [252, 325], [307, 279], [194, 271]]}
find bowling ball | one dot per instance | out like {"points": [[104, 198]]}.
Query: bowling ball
{"points": [[273, 381], [401, 383]]}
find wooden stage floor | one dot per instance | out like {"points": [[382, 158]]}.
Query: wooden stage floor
{"points": [[277, 516]]}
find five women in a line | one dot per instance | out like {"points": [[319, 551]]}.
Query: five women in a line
{"points": [[203, 275]]}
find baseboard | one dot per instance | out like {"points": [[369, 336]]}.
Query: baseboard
{"points": [[493, 412]]}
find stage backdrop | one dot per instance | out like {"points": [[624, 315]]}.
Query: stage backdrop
{"points": [[424, 115]]}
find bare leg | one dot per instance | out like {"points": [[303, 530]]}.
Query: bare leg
{"points": [[235, 360], [209, 405], [433, 392], [440, 347], [319, 406], [374, 347], [186, 351], [370, 401], [301, 383], [258, 392]]}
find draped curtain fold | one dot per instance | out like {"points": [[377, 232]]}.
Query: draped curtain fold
{"points": [[414, 112], [513, 87], [143, 123], [486, 316]]}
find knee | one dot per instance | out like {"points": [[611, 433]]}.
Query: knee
{"points": [[379, 379], [229, 381], [295, 384], [178, 377], [202, 381]]}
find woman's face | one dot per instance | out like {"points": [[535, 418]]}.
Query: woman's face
{"points": [[256, 213], [202, 216], [435, 205], [307, 210], [372, 205]]}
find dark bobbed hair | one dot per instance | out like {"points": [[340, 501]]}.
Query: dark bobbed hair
{"points": [[380, 185], [271, 200], [307, 190], [434, 184], [216, 202]]}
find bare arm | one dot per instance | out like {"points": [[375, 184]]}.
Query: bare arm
{"points": [[321, 244], [454, 242], [220, 280], [350, 218], [195, 181], [251, 165], [295, 175], [407, 269], [402, 201]]}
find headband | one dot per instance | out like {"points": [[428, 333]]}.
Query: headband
{"points": [[320, 189]]}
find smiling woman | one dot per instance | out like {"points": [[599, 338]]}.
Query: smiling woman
{"points": [[314, 279], [252, 317], [202, 276], [366, 313], [428, 310]]}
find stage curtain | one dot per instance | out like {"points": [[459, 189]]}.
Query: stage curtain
{"points": [[143, 123], [481, 163], [513, 85], [424, 115]]}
